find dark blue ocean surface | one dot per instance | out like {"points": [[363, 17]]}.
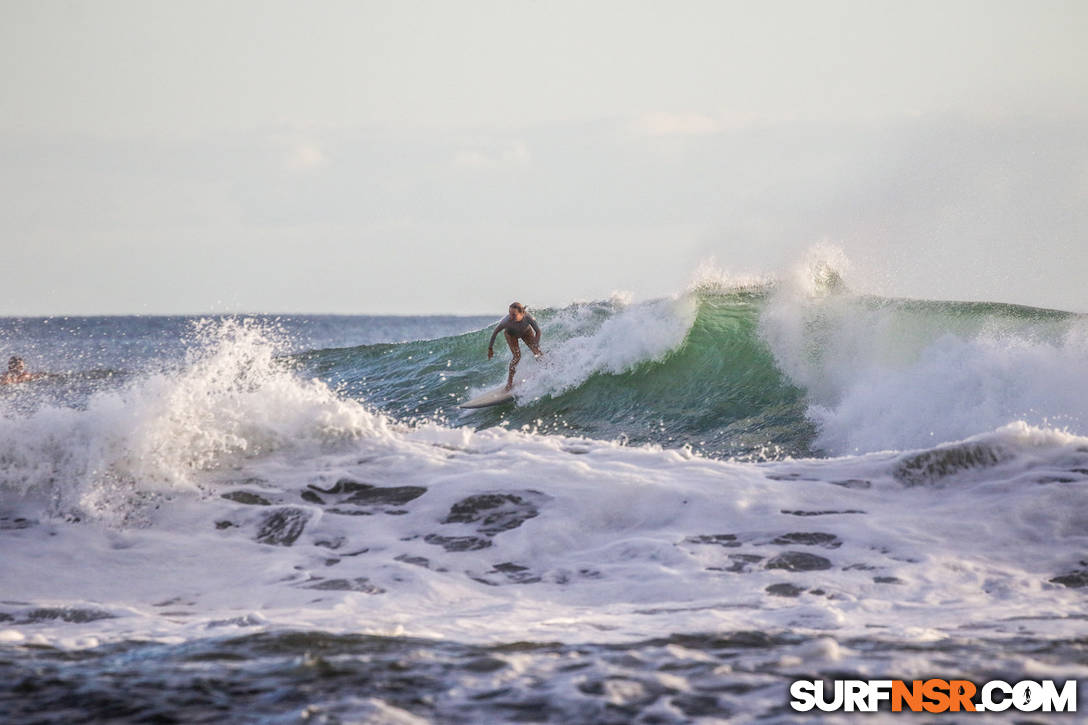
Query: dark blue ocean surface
{"points": [[132, 343]]}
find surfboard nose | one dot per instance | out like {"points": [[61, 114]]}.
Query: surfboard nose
{"points": [[497, 396]]}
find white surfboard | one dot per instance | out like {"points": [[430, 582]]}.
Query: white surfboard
{"points": [[491, 397]]}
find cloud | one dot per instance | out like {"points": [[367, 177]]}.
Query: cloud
{"points": [[675, 124], [305, 156], [492, 154]]}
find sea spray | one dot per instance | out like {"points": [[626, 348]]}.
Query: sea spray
{"points": [[231, 398]]}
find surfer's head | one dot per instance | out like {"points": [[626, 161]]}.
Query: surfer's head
{"points": [[16, 364], [517, 310]]}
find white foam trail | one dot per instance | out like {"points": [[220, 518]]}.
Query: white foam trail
{"points": [[625, 543], [581, 342]]}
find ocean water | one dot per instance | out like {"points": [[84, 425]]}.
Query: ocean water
{"points": [[692, 502]]}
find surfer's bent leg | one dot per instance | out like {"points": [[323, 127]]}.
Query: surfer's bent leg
{"points": [[515, 349], [530, 340]]}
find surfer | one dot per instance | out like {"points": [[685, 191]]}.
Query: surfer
{"points": [[17, 372], [519, 324]]}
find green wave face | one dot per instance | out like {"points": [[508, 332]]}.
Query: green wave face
{"points": [[716, 389], [719, 391]]}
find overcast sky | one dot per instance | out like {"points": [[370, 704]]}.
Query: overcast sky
{"points": [[413, 157]]}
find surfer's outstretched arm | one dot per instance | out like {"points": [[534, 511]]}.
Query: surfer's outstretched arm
{"points": [[494, 333]]}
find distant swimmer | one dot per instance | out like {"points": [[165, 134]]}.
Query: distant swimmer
{"points": [[17, 372], [517, 324]]}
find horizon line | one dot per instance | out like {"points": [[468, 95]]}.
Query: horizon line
{"points": [[246, 314]]}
